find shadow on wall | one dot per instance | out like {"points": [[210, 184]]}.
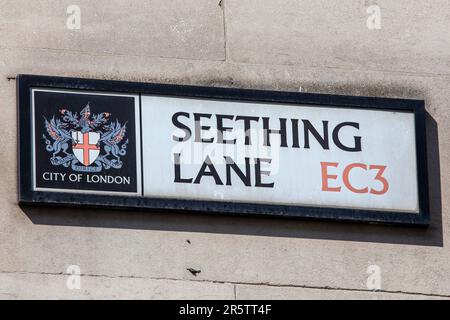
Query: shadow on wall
{"points": [[273, 227]]}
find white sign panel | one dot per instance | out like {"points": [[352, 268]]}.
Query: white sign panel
{"points": [[279, 154]]}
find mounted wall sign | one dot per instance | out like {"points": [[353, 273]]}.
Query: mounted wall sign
{"points": [[217, 150]]}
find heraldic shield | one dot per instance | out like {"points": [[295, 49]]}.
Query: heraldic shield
{"points": [[85, 146]]}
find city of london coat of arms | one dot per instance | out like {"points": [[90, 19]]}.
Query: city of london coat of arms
{"points": [[86, 142]]}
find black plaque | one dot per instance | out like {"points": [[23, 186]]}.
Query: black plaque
{"points": [[84, 142]]}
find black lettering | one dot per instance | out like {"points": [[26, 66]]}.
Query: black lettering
{"points": [[308, 128], [179, 125], [268, 132], [178, 178], [247, 127], [207, 164], [221, 129], [295, 143], [245, 178], [338, 143], [199, 128], [259, 173]]}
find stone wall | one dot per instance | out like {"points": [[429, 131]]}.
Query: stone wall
{"points": [[322, 46]]}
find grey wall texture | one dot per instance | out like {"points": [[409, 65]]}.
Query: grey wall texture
{"points": [[323, 46]]}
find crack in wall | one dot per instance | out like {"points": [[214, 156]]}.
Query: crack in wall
{"points": [[225, 45], [112, 54], [234, 283], [299, 67]]}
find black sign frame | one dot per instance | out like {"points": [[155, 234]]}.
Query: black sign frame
{"points": [[25, 83]]}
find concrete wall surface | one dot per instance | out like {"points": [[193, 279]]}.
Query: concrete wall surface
{"points": [[322, 46]]}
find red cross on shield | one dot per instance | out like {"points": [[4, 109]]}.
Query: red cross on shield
{"points": [[85, 146]]}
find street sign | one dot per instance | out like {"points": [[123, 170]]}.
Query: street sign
{"points": [[216, 150]]}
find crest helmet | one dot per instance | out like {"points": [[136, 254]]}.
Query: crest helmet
{"points": [[86, 112]]}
